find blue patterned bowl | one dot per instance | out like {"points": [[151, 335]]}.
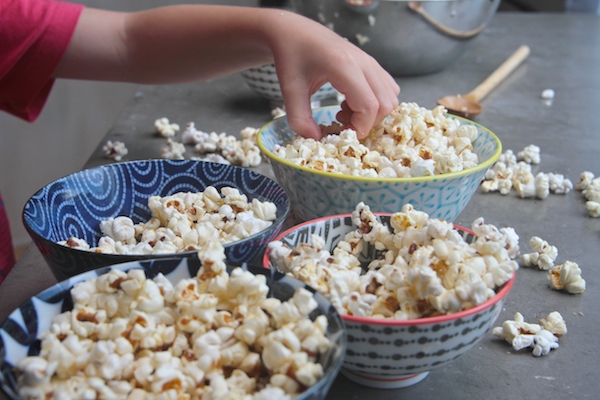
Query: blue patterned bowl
{"points": [[75, 204], [386, 353], [316, 194], [19, 333]]}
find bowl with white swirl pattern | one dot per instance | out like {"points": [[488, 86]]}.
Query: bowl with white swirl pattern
{"points": [[317, 193], [75, 205], [20, 333]]}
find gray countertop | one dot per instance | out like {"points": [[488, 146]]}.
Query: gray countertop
{"points": [[565, 57]]}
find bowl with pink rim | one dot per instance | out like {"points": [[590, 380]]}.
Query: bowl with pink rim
{"points": [[393, 353]]}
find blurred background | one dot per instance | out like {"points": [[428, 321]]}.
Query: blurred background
{"points": [[78, 115]]}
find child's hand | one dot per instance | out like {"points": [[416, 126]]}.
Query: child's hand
{"points": [[307, 55]]}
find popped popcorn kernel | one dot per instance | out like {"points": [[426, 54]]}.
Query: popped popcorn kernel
{"points": [[173, 150], [566, 276], [543, 255], [165, 128], [541, 338], [115, 150], [590, 189]]}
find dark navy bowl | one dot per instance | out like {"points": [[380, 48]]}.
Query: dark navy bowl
{"points": [[19, 333], [74, 206]]}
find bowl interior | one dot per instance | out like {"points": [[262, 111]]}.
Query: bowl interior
{"points": [[277, 132], [19, 333], [334, 228], [74, 206]]}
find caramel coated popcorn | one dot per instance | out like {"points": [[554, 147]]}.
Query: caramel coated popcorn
{"points": [[425, 267], [213, 336]]}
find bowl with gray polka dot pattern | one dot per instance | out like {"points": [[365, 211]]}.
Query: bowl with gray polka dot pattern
{"points": [[390, 353]]}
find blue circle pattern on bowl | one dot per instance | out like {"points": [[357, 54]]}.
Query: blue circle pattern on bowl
{"points": [[74, 206], [385, 355], [19, 333], [441, 197]]}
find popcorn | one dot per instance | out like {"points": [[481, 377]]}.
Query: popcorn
{"points": [[412, 141], [514, 171], [543, 254], [115, 150], [221, 148], [555, 324], [530, 154], [142, 345], [590, 188], [191, 135], [593, 208], [547, 94], [243, 152], [278, 112], [566, 276], [362, 39], [542, 338], [165, 128], [184, 221], [425, 268], [173, 150]]}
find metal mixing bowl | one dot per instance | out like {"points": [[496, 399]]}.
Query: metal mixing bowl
{"points": [[405, 37]]}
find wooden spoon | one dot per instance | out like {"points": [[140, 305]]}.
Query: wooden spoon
{"points": [[468, 105]]}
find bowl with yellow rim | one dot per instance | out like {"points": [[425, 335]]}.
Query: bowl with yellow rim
{"points": [[318, 193]]}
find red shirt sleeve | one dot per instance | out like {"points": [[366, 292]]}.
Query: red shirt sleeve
{"points": [[34, 35]]}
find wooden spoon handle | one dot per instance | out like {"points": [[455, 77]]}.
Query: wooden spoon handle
{"points": [[500, 73]]}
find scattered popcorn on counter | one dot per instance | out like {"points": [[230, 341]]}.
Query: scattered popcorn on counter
{"points": [[412, 141], [216, 335], [115, 150], [554, 323], [590, 188], [191, 135], [165, 128], [184, 221], [548, 94], [173, 150], [566, 277], [514, 172], [426, 268], [361, 40], [530, 154], [542, 337], [543, 254], [224, 148]]}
